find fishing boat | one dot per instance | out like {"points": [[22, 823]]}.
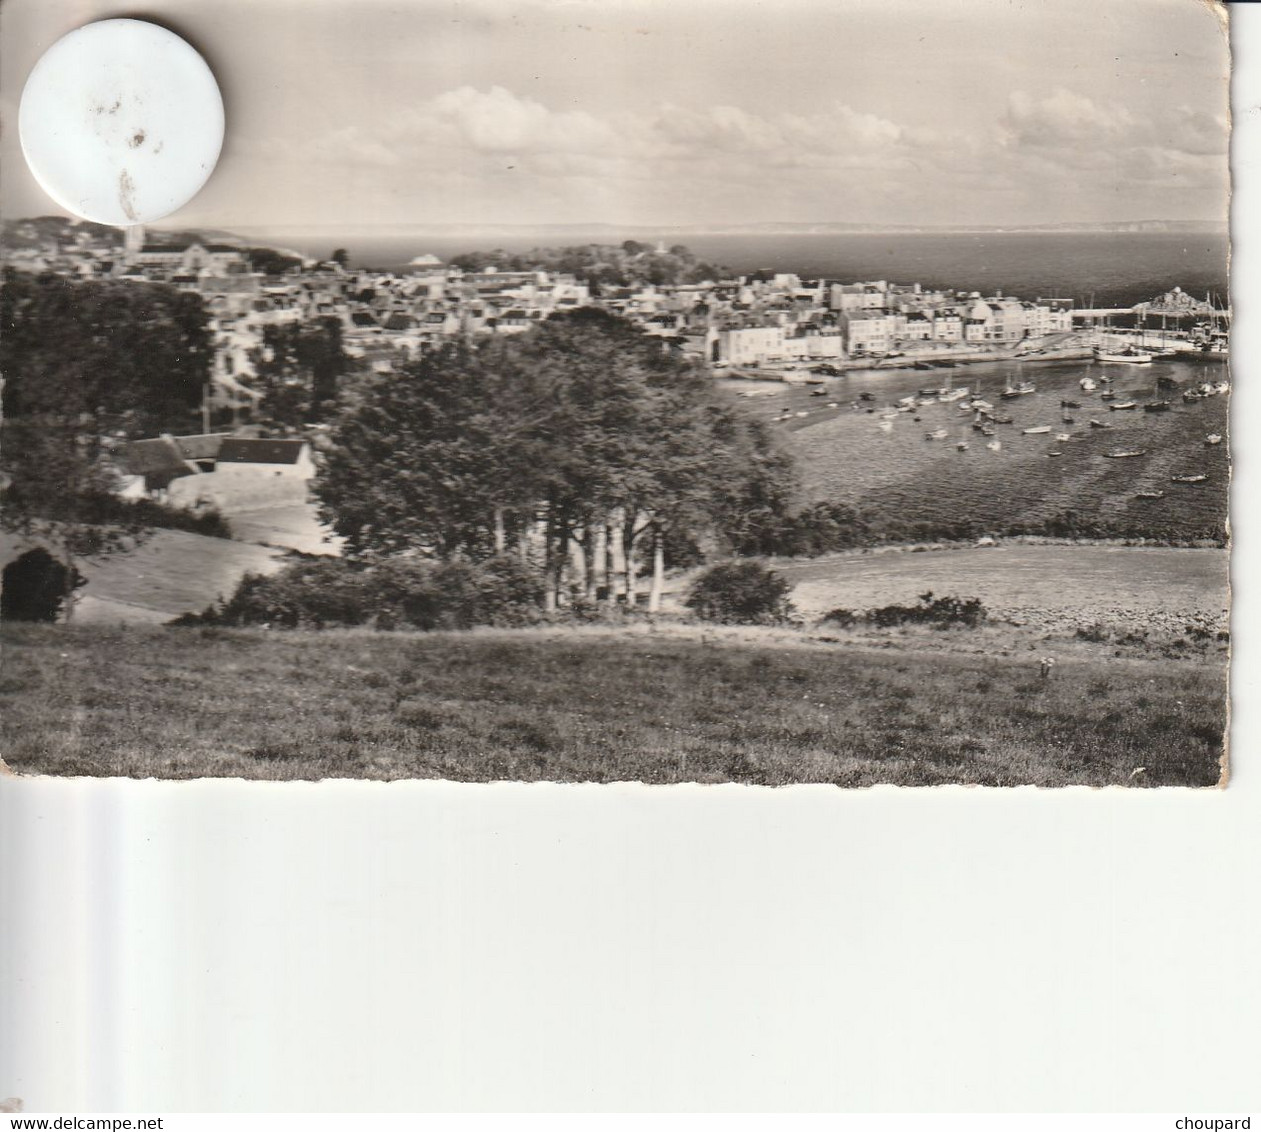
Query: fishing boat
{"points": [[1131, 355], [1213, 439], [1039, 430], [1021, 390], [1149, 495], [1156, 407], [1117, 406], [1189, 479], [1125, 453], [1088, 384]]}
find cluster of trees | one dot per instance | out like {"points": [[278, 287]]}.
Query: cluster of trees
{"points": [[583, 447], [602, 265], [270, 261], [87, 365], [299, 369]]}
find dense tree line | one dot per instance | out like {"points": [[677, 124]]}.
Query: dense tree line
{"points": [[581, 444], [602, 265], [88, 364]]}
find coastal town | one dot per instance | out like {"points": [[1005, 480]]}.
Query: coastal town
{"points": [[776, 325]]}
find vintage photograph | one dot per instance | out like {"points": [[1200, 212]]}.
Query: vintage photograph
{"points": [[833, 391]]}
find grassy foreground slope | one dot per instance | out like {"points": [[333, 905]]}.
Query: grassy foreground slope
{"points": [[746, 706]]}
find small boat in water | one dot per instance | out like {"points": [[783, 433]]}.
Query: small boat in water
{"points": [[1055, 452], [1189, 479], [947, 396], [1070, 404], [1000, 420], [1125, 453], [1088, 384], [1039, 430], [936, 434], [1119, 405], [995, 446], [1021, 390], [1108, 395], [1063, 436], [1213, 439], [1156, 407], [1149, 495], [1098, 424], [1129, 354]]}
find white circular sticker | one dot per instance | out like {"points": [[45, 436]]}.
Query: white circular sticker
{"points": [[121, 122]]}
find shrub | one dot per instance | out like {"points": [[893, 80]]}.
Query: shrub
{"points": [[329, 592], [740, 593], [36, 586], [843, 618], [940, 612]]}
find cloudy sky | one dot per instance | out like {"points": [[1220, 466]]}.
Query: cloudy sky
{"points": [[677, 112]]}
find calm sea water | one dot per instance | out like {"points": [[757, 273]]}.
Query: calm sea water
{"points": [[1114, 269]]}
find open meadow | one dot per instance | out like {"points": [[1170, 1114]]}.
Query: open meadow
{"points": [[662, 705]]}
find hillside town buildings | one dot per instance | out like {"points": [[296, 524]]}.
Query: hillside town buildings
{"points": [[751, 321]]}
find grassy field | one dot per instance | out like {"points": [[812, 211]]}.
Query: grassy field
{"points": [[844, 455], [670, 705], [171, 573], [1054, 586]]}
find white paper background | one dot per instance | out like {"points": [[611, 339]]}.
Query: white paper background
{"points": [[227, 946]]}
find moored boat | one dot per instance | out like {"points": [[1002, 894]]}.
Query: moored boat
{"points": [[1021, 390], [1149, 495], [1198, 478], [1038, 430], [1117, 406], [1156, 407], [1213, 439], [1125, 453], [1131, 355]]}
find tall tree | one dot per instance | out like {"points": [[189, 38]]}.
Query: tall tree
{"points": [[583, 432], [87, 365], [298, 369]]}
